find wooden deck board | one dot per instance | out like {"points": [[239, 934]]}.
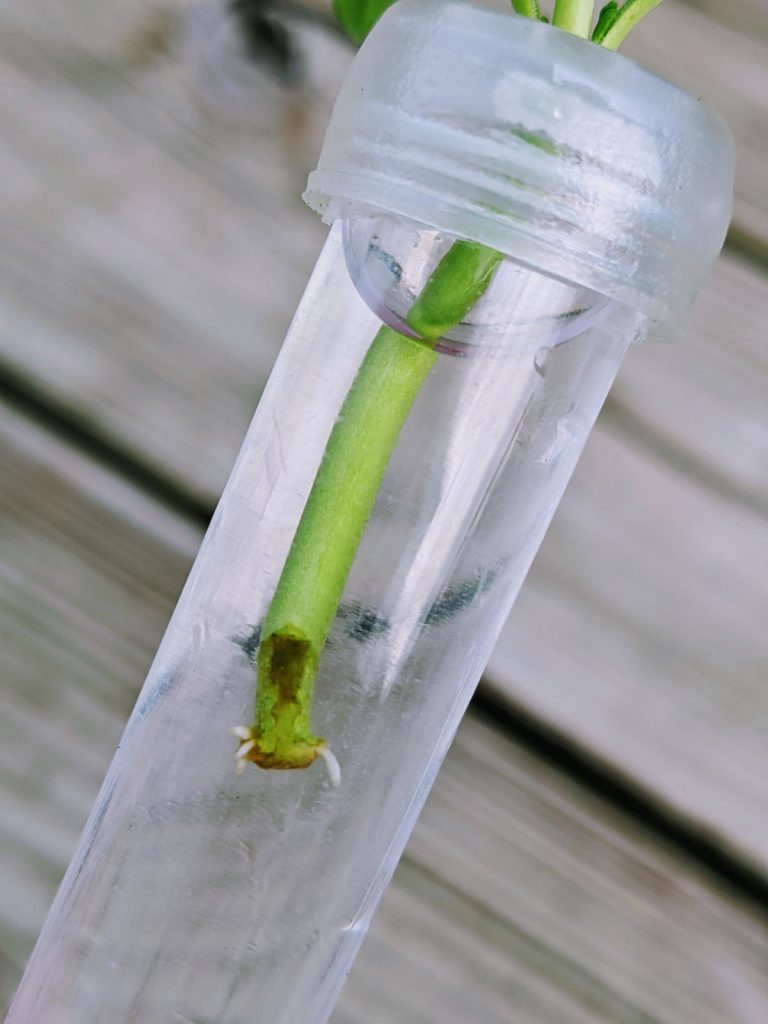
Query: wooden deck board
{"points": [[522, 897], [701, 403], [639, 634]]}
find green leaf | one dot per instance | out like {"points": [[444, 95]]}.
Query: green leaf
{"points": [[624, 21], [605, 20], [357, 17]]}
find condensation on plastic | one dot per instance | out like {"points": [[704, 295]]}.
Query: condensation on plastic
{"points": [[570, 158]]}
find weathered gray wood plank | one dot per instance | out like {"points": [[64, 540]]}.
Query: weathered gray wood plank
{"points": [[521, 897], [123, 270], [640, 633], [81, 608], [151, 241], [701, 403]]}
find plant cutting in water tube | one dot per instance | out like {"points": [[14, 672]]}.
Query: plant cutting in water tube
{"points": [[511, 206], [359, 448]]}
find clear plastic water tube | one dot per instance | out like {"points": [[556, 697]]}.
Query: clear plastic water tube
{"points": [[199, 896]]}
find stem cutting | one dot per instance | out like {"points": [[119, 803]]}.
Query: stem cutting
{"points": [[359, 449]]}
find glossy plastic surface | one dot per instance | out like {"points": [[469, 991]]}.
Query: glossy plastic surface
{"points": [[568, 157]]}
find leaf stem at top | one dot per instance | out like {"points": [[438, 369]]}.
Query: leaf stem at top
{"points": [[574, 16]]}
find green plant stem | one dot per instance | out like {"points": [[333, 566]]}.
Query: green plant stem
{"points": [[574, 16], [339, 505], [622, 23], [529, 9], [608, 15]]}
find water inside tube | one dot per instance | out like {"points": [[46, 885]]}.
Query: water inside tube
{"points": [[522, 307]]}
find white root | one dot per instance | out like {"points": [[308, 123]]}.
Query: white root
{"points": [[332, 764], [247, 743], [246, 746]]}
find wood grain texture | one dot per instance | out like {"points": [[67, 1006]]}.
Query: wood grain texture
{"points": [[640, 633], [701, 404], [521, 898], [154, 243], [90, 571]]}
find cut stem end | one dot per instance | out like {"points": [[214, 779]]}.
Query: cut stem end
{"points": [[252, 749]]}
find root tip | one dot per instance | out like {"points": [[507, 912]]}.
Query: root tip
{"points": [[247, 743], [332, 764]]}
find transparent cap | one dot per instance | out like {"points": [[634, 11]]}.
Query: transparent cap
{"points": [[563, 155]]}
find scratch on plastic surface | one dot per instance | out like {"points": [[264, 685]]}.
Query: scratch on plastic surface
{"points": [[200, 636], [279, 442]]}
